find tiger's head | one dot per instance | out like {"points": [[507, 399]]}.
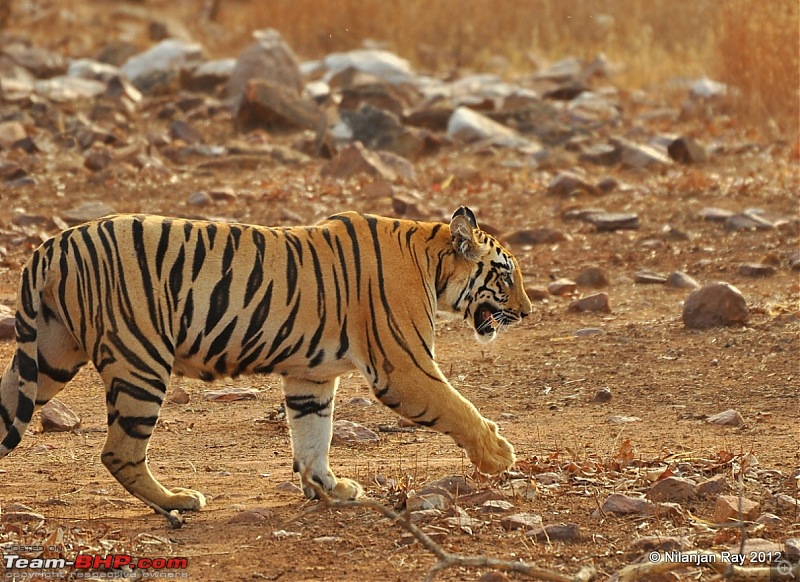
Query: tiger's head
{"points": [[489, 291]]}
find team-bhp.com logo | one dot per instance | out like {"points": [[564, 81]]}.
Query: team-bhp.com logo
{"points": [[94, 567]]}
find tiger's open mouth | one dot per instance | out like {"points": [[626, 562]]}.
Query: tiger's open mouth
{"points": [[485, 321]]}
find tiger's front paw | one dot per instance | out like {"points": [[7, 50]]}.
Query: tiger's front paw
{"points": [[347, 489], [495, 453], [184, 500]]}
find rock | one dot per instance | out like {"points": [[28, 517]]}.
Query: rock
{"points": [[270, 106], [602, 155], [609, 221], [39, 61], [8, 322], [620, 504], [686, 150], [98, 159], [356, 159], [602, 395], [727, 509], [184, 132], [588, 331], [619, 419], [534, 236], [680, 280], [714, 214], [382, 130], [207, 77], [792, 548], [230, 394], [289, 487], [418, 502], [747, 221], [255, 515], [268, 59], [178, 395], [563, 532], [673, 488], [21, 517], [348, 432], [726, 418], [66, 89], [454, 484], [537, 293], [713, 305], [57, 417], [199, 199], [757, 551], [649, 278], [794, 261], [593, 277], [11, 132], [562, 287], [468, 125], [591, 303], [464, 522], [520, 521], [569, 184], [712, 486], [641, 156], [658, 544], [380, 64], [407, 205], [496, 506], [521, 489], [769, 519], [86, 212], [165, 57], [756, 270], [92, 69], [478, 498]]}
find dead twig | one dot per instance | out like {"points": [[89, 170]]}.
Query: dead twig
{"points": [[447, 559]]}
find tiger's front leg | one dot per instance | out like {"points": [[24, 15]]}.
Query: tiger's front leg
{"points": [[427, 398], [309, 410]]}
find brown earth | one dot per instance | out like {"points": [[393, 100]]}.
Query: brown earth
{"points": [[537, 379]]}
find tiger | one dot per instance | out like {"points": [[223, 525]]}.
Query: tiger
{"points": [[143, 297]]}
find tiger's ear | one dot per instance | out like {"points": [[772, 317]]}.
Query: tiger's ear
{"points": [[462, 228]]}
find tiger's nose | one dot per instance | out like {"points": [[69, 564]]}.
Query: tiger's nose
{"points": [[525, 314]]}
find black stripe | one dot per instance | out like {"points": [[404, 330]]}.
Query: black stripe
{"points": [[351, 232], [163, 244], [199, 256], [219, 301], [306, 404], [137, 427], [221, 341]]}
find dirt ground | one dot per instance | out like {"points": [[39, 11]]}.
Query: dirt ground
{"points": [[537, 380]]}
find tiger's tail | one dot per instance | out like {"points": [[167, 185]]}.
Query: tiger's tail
{"points": [[20, 381]]}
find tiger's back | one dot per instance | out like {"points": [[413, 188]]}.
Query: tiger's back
{"points": [[144, 296]]}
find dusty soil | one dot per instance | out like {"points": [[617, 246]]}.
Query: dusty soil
{"points": [[537, 380]]}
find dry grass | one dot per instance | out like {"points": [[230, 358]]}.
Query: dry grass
{"points": [[750, 44], [753, 45]]}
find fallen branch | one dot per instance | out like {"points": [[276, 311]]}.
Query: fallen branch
{"points": [[447, 559]]}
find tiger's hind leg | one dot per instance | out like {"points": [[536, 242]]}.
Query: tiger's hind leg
{"points": [[59, 359], [309, 410], [133, 405]]}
